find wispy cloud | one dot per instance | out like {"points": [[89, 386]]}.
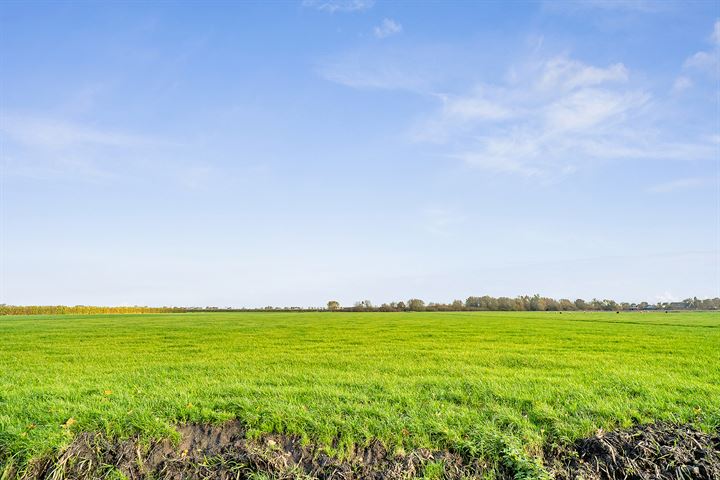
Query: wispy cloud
{"points": [[59, 166], [703, 61], [391, 67], [707, 60], [546, 117], [332, 6], [682, 83], [567, 74], [640, 5], [36, 131], [387, 28], [681, 184], [644, 6], [43, 148], [559, 114], [374, 70]]}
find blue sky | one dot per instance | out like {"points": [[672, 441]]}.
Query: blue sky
{"points": [[289, 153]]}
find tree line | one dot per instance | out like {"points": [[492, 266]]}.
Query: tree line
{"points": [[534, 303], [81, 310], [521, 303]]}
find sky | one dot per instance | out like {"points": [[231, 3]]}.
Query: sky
{"points": [[288, 153]]}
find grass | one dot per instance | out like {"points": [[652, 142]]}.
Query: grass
{"points": [[492, 385]]}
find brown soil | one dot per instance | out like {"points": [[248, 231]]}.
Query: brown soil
{"points": [[649, 452], [223, 452]]}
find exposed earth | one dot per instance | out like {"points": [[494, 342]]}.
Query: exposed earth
{"points": [[657, 451]]}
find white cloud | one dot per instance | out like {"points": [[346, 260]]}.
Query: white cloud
{"points": [[463, 113], [680, 184], [707, 61], [382, 77], [549, 120], [562, 72], [617, 4], [559, 116], [419, 68], [387, 28], [385, 69], [477, 106], [702, 61], [55, 133], [59, 166], [45, 148], [333, 6], [590, 108], [644, 6], [546, 117], [682, 83]]}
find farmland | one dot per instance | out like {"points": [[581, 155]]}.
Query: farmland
{"points": [[499, 387]]}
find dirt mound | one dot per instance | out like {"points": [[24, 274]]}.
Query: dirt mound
{"points": [[649, 452], [223, 452]]}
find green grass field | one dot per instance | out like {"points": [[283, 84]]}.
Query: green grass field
{"points": [[492, 385]]}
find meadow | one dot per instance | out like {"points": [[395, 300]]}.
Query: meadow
{"points": [[491, 385]]}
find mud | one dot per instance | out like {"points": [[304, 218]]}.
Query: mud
{"points": [[223, 453], [650, 452], [660, 451]]}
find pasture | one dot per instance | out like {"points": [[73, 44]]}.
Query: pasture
{"points": [[494, 386]]}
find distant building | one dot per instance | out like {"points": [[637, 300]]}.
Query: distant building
{"points": [[677, 306]]}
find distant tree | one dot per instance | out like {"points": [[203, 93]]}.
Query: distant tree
{"points": [[610, 305], [386, 308], [596, 304], [457, 305], [488, 303], [537, 303], [566, 304], [416, 305], [401, 306], [551, 304], [506, 304], [333, 305], [473, 302], [710, 304], [523, 302], [581, 304], [363, 305]]}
